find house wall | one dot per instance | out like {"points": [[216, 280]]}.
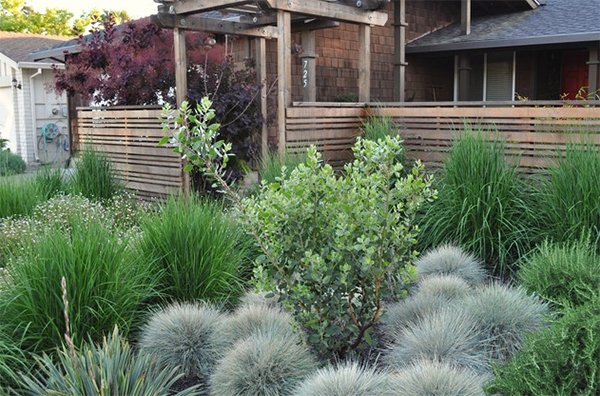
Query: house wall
{"points": [[8, 121]]}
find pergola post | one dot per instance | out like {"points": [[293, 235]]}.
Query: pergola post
{"points": [[400, 50], [181, 87], [261, 72], [594, 70], [284, 73], [309, 85], [364, 63]]}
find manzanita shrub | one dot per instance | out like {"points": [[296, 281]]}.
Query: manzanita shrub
{"points": [[334, 245]]}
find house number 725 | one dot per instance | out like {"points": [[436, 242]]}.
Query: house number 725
{"points": [[304, 73]]}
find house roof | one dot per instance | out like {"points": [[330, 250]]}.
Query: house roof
{"points": [[18, 46], [554, 22]]}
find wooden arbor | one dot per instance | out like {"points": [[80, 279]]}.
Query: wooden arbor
{"points": [[273, 19]]}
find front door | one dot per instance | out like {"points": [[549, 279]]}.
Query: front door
{"points": [[574, 74]]}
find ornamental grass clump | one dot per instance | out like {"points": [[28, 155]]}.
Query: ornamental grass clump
{"points": [[561, 360], [449, 335], [94, 176], [106, 283], [429, 378], [248, 321], [110, 368], [265, 364], [346, 379], [271, 166], [451, 260], [569, 200], [18, 196], [334, 245], [565, 274], [482, 204], [202, 253], [12, 360], [505, 316], [446, 287], [180, 337]]}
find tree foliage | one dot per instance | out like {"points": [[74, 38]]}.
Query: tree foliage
{"points": [[17, 16]]}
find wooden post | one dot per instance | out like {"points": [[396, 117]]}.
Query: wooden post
{"points": [[465, 17], [261, 71], [181, 86], [464, 77], [309, 86], [399, 50], [364, 63], [284, 73], [594, 71]]}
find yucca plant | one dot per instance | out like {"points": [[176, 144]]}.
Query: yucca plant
{"points": [[180, 337], [451, 260], [449, 335], [94, 176], [426, 377], [505, 316], [265, 364], [565, 274], [481, 205], [569, 200], [107, 369], [106, 283], [201, 251], [346, 379]]}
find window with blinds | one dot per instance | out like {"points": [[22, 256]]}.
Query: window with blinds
{"points": [[499, 76]]}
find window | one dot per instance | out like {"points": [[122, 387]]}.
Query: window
{"points": [[489, 76]]}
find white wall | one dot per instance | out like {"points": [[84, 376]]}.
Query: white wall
{"points": [[8, 125]]}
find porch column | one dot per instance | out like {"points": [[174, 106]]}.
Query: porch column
{"points": [[594, 70], [309, 85], [364, 63], [284, 73], [465, 17], [464, 76], [399, 50]]}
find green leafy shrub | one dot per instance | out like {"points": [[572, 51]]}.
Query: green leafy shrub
{"points": [[107, 369], [265, 364], [334, 246], [251, 320], [447, 287], [18, 196], [94, 176], [482, 205], [424, 378], [505, 316], [449, 335], [181, 337], [566, 274], [11, 164], [562, 360], [357, 235], [451, 260], [344, 380], [271, 166], [105, 282], [569, 200], [200, 250]]}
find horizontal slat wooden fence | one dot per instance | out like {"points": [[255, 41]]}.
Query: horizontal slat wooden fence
{"points": [[534, 135], [129, 137]]}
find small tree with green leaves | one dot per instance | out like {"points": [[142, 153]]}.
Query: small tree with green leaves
{"points": [[334, 246]]}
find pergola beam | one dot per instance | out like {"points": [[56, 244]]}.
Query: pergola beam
{"points": [[213, 25], [196, 6], [335, 11]]}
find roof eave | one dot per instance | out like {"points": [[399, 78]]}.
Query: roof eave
{"points": [[504, 43], [56, 53]]}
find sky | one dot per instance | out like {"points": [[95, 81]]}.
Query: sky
{"points": [[135, 8]]}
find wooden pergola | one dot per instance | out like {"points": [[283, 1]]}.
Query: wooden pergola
{"points": [[278, 19]]}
